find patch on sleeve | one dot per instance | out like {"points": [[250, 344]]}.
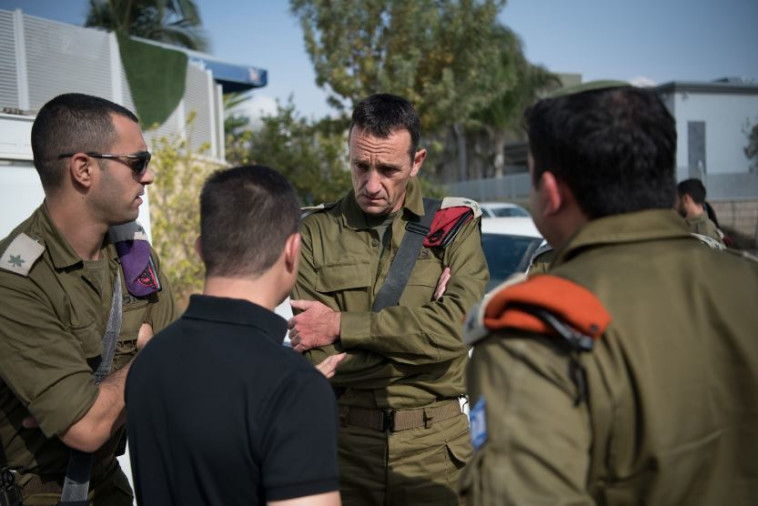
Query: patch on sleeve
{"points": [[478, 422], [21, 254]]}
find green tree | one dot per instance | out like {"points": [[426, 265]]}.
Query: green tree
{"points": [[501, 118], [441, 55], [312, 155], [175, 22], [174, 211], [236, 129]]}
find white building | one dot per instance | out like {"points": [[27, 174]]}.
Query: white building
{"points": [[712, 121], [711, 124], [40, 59]]}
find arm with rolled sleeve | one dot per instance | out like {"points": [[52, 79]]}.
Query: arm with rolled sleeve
{"points": [[537, 444], [42, 361]]}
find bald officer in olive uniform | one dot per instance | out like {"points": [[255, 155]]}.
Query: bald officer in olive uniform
{"points": [[403, 437], [629, 373], [59, 273]]}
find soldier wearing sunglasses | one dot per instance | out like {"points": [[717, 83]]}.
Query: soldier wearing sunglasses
{"points": [[81, 293]]}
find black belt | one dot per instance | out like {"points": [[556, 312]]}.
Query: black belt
{"points": [[390, 420]]}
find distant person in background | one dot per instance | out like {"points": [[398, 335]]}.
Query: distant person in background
{"points": [[220, 412], [691, 205]]}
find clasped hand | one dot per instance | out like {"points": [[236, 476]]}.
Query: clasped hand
{"points": [[317, 325]]}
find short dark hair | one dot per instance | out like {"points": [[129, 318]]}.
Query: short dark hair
{"points": [[71, 123], [382, 114], [615, 148], [694, 188], [246, 215]]}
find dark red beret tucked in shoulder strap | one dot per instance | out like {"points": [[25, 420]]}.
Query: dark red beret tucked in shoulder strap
{"points": [[448, 221]]}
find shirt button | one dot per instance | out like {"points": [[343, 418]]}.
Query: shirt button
{"points": [[374, 243]]}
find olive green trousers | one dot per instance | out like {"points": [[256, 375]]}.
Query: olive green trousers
{"points": [[418, 467]]}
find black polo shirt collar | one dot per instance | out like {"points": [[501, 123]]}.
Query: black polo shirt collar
{"points": [[237, 312]]}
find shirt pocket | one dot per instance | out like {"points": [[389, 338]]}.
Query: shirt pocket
{"points": [[343, 276], [89, 338], [345, 285]]}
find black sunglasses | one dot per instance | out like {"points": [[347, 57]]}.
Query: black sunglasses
{"points": [[137, 162]]}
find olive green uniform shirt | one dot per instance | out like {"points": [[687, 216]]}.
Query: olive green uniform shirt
{"points": [[672, 413], [702, 225], [409, 355], [51, 326]]}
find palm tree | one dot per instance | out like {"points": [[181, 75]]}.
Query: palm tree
{"points": [[174, 22], [503, 115]]}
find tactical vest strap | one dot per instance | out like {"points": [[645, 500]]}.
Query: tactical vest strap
{"points": [[405, 258], [79, 468]]}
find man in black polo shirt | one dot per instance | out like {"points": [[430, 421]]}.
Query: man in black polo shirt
{"points": [[216, 405]]}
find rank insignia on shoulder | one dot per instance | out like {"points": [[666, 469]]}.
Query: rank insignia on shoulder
{"points": [[21, 254], [308, 210], [709, 241], [478, 423]]}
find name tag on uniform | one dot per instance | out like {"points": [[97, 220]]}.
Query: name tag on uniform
{"points": [[478, 421]]}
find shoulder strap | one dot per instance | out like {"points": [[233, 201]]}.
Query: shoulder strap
{"points": [[79, 468], [405, 258], [111, 333]]}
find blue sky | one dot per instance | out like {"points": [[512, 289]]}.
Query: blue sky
{"points": [[660, 40]]}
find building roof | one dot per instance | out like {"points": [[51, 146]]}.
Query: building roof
{"points": [[232, 77], [735, 86]]}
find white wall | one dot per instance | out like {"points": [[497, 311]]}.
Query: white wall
{"points": [[40, 59], [724, 116]]}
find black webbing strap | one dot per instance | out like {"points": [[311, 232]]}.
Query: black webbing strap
{"points": [[79, 468], [405, 258]]}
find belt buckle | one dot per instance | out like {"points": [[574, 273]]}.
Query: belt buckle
{"points": [[388, 420]]}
